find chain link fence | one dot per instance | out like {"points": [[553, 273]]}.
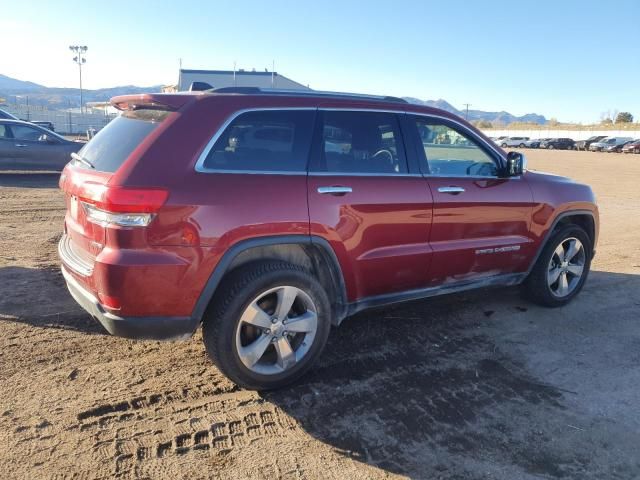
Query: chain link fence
{"points": [[66, 122]]}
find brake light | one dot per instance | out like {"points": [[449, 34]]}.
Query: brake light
{"points": [[122, 206]]}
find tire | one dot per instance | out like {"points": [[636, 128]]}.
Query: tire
{"points": [[504, 145], [537, 287], [521, 145], [549, 147], [249, 285]]}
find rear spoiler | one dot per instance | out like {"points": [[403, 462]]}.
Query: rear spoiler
{"points": [[152, 101]]}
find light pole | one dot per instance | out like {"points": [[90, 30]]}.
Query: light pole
{"points": [[81, 52], [466, 115]]}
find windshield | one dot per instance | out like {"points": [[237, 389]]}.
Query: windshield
{"points": [[112, 145]]}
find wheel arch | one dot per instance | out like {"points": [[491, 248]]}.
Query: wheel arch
{"points": [[583, 218], [311, 252]]}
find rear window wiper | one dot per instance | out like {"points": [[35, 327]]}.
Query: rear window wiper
{"points": [[81, 159]]}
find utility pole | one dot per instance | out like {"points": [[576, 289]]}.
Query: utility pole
{"points": [[81, 52], [466, 115]]}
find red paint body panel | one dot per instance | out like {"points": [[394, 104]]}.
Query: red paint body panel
{"points": [[391, 234], [490, 213], [380, 231]]}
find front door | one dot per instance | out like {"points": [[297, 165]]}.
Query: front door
{"points": [[480, 221], [375, 213]]}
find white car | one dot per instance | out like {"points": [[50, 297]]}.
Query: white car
{"points": [[608, 142], [513, 142]]}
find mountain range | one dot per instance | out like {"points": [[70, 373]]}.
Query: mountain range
{"points": [[60, 98], [504, 118]]}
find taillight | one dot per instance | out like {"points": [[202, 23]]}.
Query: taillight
{"points": [[121, 206]]}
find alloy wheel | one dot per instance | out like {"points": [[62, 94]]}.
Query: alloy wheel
{"points": [[566, 267], [276, 330]]}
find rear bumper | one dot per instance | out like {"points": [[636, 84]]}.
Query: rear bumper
{"points": [[143, 328]]}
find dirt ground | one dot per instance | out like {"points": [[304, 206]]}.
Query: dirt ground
{"points": [[468, 386]]}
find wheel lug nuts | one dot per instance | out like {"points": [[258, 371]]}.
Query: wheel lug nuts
{"points": [[274, 339], [274, 320]]}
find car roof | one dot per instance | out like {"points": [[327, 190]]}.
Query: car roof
{"points": [[250, 97]]}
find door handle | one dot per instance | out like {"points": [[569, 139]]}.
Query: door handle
{"points": [[334, 190], [452, 190], [20, 145]]}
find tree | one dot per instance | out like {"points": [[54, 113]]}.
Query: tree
{"points": [[484, 124], [553, 122], [624, 117]]}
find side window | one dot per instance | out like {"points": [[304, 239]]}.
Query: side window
{"points": [[23, 132], [449, 152], [264, 141], [360, 142], [4, 132]]}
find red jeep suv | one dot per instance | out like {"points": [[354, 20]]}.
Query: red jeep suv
{"points": [[267, 216]]}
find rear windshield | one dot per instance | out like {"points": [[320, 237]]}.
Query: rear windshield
{"points": [[114, 143]]}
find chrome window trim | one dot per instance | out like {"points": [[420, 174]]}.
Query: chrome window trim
{"points": [[350, 174], [199, 166]]}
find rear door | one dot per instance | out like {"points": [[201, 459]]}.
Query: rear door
{"points": [[480, 221], [363, 198]]}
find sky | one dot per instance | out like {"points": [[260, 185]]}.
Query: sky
{"points": [[567, 59]]}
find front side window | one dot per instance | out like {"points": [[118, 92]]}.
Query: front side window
{"points": [[24, 132], [448, 152], [360, 142], [264, 141]]}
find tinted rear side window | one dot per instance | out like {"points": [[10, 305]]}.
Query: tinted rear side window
{"points": [[360, 142], [264, 141], [114, 143]]}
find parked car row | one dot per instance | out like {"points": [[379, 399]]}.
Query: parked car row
{"points": [[610, 144], [598, 143]]}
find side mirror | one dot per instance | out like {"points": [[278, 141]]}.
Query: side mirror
{"points": [[516, 164]]}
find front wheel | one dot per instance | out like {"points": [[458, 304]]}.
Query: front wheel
{"points": [[549, 147], [267, 325], [562, 268]]}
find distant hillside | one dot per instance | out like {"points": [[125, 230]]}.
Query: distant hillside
{"points": [[61, 97], [58, 98], [504, 118]]}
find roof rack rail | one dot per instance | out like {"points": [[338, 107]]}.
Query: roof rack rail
{"points": [[305, 93]]}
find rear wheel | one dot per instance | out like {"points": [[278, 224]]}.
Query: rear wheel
{"points": [[504, 145], [521, 145], [549, 147], [267, 325], [562, 268]]}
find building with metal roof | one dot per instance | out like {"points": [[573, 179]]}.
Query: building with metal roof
{"points": [[238, 78]]}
